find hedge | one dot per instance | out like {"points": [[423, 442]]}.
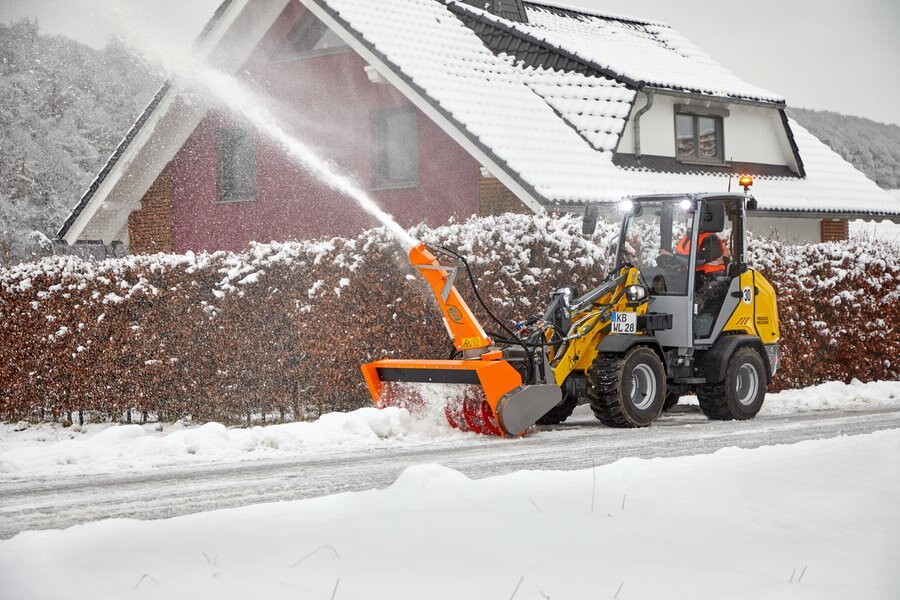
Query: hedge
{"points": [[279, 331]]}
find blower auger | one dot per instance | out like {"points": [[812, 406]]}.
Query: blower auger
{"points": [[713, 330]]}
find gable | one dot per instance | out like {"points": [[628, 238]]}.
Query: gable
{"points": [[102, 212]]}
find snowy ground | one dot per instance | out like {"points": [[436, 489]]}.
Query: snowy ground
{"points": [[811, 520], [814, 519], [94, 449]]}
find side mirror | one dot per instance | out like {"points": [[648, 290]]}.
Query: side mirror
{"points": [[612, 253], [737, 269], [752, 204], [589, 225]]}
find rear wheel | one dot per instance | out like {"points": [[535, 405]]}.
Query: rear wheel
{"points": [[742, 393], [629, 390]]}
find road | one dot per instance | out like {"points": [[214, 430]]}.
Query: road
{"points": [[58, 502]]}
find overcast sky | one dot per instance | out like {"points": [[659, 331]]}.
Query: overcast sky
{"points": [[827, 54]]}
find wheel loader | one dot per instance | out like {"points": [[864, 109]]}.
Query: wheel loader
{"points": [[680, 311]]}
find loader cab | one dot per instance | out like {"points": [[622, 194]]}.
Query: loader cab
{"points": [[688, 249]]}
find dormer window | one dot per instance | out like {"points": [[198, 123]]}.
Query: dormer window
{"points": [[311, 37], [699, 134]]}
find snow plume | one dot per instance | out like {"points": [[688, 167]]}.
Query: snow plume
{"points": [[192, 73]]}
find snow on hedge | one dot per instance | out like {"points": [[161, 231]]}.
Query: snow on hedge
{"points": [[281, 329]]}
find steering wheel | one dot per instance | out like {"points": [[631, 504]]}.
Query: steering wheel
{"points": [[671, 262]]}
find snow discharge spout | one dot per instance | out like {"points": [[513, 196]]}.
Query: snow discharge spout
{"points": [[189, 70]]}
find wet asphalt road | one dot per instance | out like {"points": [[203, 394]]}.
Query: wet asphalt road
{"points": [[56, 502]]}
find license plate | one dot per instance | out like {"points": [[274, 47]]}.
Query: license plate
{"points": [[624, 322]]}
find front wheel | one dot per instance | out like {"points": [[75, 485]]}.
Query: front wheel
{"points": [[629, 390], [672, 399], [742, 393], [560, 412]]}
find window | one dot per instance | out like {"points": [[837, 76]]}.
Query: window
{"points": [[237, 165], [699, 134], [311, 37], [396, 148]]}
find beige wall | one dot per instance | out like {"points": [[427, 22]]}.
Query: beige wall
{"points": [[791, 230], [752, 134]]}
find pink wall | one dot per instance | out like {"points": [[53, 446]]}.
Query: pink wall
{"points": [[326, 102]]}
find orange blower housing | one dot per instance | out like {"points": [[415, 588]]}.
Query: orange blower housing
{"points": [[496, 401]]}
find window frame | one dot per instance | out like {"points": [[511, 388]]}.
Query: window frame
{"points": [[378, 126], [310, 26], [718, 115], [227, 194]]}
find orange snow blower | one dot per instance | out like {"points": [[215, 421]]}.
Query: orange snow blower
{"points": [[713, 329], [495, 401]]}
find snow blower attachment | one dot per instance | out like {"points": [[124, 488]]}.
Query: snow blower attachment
{"points": [[494, 401], [713, 330]]}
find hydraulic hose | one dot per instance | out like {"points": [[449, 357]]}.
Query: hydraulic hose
{"points": [[512, 334]]}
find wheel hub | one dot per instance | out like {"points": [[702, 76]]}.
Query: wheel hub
{"points": [[643, 387], [746, 384]]}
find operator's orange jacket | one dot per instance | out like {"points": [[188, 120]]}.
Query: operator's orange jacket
{"points": [[714, 266]]}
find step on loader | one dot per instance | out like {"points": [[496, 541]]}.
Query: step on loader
{"points": [[680, 311]]}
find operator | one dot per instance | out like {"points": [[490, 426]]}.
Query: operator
{"points": [[712, 253], [710, 258]]}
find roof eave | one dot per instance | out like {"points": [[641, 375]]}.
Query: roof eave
{"points": [[700, 95], [822, 214]]}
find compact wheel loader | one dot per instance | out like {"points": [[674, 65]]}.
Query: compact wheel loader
{"points": [[681, 310]]}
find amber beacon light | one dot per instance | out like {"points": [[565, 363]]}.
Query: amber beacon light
{"points": [[745, 182]]}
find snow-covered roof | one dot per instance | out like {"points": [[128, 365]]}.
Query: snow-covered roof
{"points": [[643, 51], [597, 107], [547, 130], [563, 154]]}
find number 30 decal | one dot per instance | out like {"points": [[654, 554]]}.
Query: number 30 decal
{"points": [[747, 295]]}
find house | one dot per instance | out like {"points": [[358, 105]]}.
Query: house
{"points": [[447, 108]]}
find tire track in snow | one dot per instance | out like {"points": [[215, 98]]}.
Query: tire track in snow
{"points": [[58, 502]]}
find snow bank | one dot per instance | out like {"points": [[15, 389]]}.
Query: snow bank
{"points": [[833, 395], [134, 447], [813, 520], [39, 451]]}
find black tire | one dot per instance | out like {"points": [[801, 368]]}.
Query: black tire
{"points": [[560, 412], [742, 393], [672, 399], [629, 390], [674, 392]]}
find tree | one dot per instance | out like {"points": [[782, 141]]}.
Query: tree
{"points": [[871, 147], [63, 108]]}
